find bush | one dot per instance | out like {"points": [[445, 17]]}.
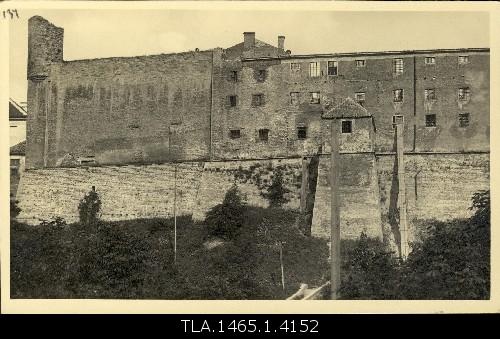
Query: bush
{"points": [[224, 220], [276, 191], [369, 270], [89, 208]]}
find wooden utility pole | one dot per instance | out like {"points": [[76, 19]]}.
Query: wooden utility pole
{"points": [[175, 214], [403, 227], [335, 214]]}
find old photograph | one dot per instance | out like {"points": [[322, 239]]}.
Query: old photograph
{"points": [[249, 154]]}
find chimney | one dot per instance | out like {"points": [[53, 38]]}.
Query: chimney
{"points": [[281, 42], [248, 40]]}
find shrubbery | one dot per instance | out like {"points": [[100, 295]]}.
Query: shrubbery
{"points": [[452, 262], [276, 192], [224, 220], [89, 208]]}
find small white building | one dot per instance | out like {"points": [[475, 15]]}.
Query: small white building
{"points": [[17, 136]]}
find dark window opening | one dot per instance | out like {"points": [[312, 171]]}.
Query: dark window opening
{"points": [[360, 63], [346, 126], [463, 119], [294, 98], [232, 100], [234, 76], [464, 94], [301, 133], [257, 100], [430, 120], [332, 67], [235, 134], [398, 95], [263, 134], [261, 75]]}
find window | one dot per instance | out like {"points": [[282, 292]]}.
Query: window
{"points": [[263, 134], [430, 60], [261, 75], [234, 134], [464, 94], [430, 120], [359, 97], [314, 98], [301, 132], [233, 76], [397, 66], [294, 98], [346, 126], [398, 95], [314, 69], [430, 94], [295, 67], [360, 63], [332, 67], [463, 59], [257, 99], [15, 162], [232, 100], [463, 119]]}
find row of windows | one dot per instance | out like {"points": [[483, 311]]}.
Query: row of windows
{"points": [[347, 127], [333, 67], [397, 65], [360, 97]]}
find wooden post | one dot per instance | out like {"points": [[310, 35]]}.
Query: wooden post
{"points": [[335, 214], [175, 214], [282, 268], [403, 229]]}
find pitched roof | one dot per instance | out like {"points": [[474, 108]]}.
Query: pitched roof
{"points": [[18, 149], [16, 112], [261, 49], [348, 108]]}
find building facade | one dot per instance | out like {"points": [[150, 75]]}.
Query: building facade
{"points": [[250, 101]]}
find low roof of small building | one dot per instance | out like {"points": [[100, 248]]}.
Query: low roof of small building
{"points": [[18, 149], [348, 108], [16, 112]]}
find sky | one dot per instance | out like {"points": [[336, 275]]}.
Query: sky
{"points": [[112, 33]]}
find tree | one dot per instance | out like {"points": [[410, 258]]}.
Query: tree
{"points": [[89, 208], [276, 191], [224, 220]]}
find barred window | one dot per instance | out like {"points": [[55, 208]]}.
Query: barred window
{"points": [[360, 63], [397, 66], [295, 67], [233, 76], [314, 69], [430, 94], [463, 59], [430, 120], [232, 100], [234, 134], [314, 98], [359, 97], [464, 94], [463, 119], [332, 67], [398, 95], [263, 134], [261, 76], [294, 98], [430, 60]]}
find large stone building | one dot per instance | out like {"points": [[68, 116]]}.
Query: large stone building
{"points": [[254, 102]]}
